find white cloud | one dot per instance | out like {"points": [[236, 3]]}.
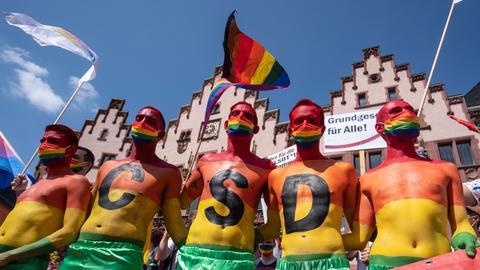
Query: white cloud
{"points": [[30, 81], [86, 95]]}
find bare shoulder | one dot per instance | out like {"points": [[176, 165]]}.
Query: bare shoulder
{"points": [[344, 166], [263, 163], [76, 182], [212, 156]]}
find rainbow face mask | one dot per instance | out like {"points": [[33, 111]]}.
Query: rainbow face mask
{"points": [[76, 165], [239, 126], [306, 134], [49, 155], [141, 133], [404, 125]]}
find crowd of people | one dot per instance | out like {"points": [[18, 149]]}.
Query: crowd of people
{"points": [[412, 201]]}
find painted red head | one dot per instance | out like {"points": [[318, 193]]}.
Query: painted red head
{"points": [[149, 126], [242, 120], [57, 146], [397, 122], [306, 123]]}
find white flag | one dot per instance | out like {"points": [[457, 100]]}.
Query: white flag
{"points": [[46, 35], [457, 1]]}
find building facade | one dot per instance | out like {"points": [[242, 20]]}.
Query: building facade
{"points": [[374, 81]]}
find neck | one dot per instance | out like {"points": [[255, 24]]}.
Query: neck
{"points": [[309, 153], [144, 152], [58, 171], [239, 145], [267, 258], [398, 149]]}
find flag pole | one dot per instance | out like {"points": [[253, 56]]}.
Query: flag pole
{"points": [[436, 58], [190, 167], [56, 121]]}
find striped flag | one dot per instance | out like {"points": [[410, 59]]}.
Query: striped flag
{"points": [[247, 64], [10, 163]]}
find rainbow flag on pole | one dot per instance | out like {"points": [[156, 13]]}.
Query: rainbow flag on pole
{"points": [[247, 64]]}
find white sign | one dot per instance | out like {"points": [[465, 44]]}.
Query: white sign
{"points": [[284, 157], [351, 131]]}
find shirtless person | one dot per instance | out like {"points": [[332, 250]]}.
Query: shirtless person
{"points": [[229, 185], [410, 200], [49, 214], [126, 196], [308, 196]]}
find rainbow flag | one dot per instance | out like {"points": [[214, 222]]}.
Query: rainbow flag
{"points": [[246, 65], [10, 163]]}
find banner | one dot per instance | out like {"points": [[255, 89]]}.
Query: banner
{"points": [[284, 157], [351, 131]]}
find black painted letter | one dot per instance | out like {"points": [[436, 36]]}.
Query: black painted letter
{"points": [[227, 197], [320, 202], [126, 198]]}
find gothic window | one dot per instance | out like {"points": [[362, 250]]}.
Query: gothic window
{"points": [[362, 100], [103, 135], [465, 153], [183, 140], [211, 131], [106, 157], [392, 93], [185, 135], [446, 152], [216, 108]]}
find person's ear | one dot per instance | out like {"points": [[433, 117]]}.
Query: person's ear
{"points": [[380, 127], [256, 129], [225, 125]]}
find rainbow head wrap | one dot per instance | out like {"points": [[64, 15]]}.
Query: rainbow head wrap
{"points": [[47, 155], [76, 165], [404, 125], [141, 133], [239, 126], [306, 134]]}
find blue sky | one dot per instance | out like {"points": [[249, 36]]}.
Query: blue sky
{"points": [[158, 52]]}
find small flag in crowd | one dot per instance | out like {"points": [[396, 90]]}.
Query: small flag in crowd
{"points": [[469, 125], [10, 163], [46, 35], [247, 64]]}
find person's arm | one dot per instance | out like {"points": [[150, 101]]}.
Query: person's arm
{"points": [[363, 222], [271, 229], [350, 193], [192, 189], [163, 250], [78, 195], [171, 209], [463, 235]]}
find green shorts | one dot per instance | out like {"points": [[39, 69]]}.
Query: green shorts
{"points": [[380, 262], [34, 263], [314, 261], [94, 255], [198, 258]]}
